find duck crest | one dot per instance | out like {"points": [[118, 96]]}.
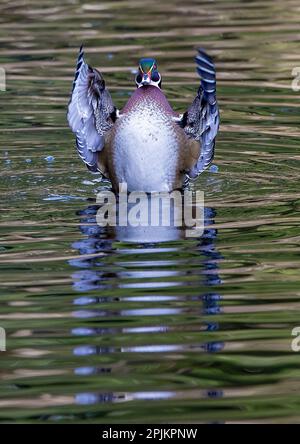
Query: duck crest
{"points": [[149, 95]]}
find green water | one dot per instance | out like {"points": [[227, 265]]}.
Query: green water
{"points": [[177, 330]]}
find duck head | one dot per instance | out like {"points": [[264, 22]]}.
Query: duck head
{"points": [[148, 74]]}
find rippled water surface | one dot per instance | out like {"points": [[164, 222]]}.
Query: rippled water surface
{"points": [[101, 329]]}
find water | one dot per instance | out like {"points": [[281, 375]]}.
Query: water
{"points": [[100, 329]]}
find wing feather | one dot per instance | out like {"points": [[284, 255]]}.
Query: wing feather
{"points": [[89, 111], [201, 120]]}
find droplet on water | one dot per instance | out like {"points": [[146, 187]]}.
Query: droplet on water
{"points": [[49, 158], [214, 169]]}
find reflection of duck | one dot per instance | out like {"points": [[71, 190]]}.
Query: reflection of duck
{"points": [[99, 241], [114, 266], [147, 145]]}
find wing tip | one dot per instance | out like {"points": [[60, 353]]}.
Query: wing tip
{"points": [[80, 57], [207, 71], [202, 52], [79, 63], [80, 54], [203, 60]]}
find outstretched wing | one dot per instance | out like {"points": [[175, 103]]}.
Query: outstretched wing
{"points": [[91, 112], [201, 120]]}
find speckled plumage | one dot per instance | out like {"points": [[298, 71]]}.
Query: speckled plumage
{"points": [[146, 149]]}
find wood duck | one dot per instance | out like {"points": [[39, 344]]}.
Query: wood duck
{"points": [[146, 145]]}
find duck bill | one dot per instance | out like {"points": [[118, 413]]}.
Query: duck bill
{"points": [[146, 79]]}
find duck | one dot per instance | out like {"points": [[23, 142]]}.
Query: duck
{"points": [[146, 145]]}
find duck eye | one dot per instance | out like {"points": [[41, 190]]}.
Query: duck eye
{"points": [[155, 76]]}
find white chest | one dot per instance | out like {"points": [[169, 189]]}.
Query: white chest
{"points": [[146, 149]]}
